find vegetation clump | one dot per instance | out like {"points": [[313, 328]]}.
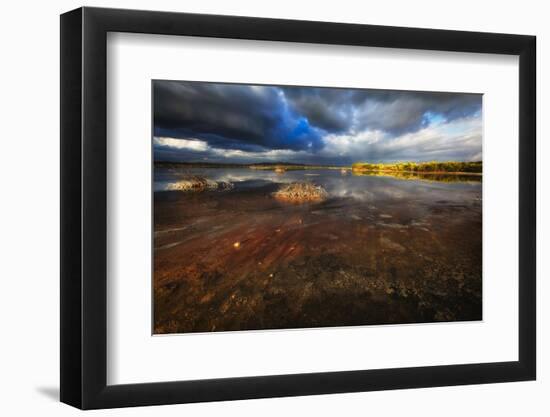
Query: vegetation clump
{"points": [[422, 167], [198, 183], [301, 192]]}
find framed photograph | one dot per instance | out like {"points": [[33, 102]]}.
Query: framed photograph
{"points": [[258, 208]]}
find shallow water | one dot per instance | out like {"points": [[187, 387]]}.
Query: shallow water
{"points": [[378, 250]]}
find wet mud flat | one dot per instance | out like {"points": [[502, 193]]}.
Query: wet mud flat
{"points": [[376, 251]]}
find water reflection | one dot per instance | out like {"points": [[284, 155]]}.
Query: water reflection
{"points": [[363, 187], [436, 177]]}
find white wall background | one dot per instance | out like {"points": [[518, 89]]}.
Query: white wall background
{"points": [[29, 225]]}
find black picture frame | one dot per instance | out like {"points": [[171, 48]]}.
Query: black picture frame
{"points": [[84, 207]]}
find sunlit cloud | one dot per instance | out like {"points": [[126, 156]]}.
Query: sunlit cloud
{"points": [[177, 143], [460, 139]]}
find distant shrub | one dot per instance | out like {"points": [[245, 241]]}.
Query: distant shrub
{"points": [[301, 192], [198, 183]]}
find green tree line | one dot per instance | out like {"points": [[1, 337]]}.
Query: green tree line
{"points": [[433, 166]]}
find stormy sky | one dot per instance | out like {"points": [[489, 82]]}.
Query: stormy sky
{"points": [[234, 123]]}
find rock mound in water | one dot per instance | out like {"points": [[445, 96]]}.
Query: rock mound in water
{"points": [[198, 183], [301, 192]]}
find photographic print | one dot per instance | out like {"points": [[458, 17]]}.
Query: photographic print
{"points": [[280, 207]]}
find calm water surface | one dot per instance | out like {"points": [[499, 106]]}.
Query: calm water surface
{"points": [[378, 250]]}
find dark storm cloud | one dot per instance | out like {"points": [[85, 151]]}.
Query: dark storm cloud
{"points": [[245, 122], [403, 112], [396, 112], [229, 114], [329, 109]]}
